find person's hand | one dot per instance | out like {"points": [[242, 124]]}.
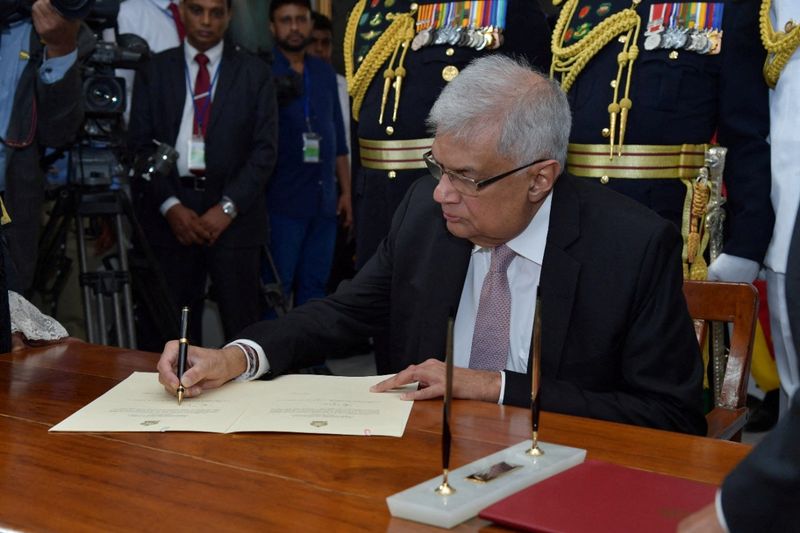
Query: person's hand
{"points": [[468, 384], [345, 210], [186, 226], [214, 222], [733, 268], [703, 521], [59, 34], [207, 369]]}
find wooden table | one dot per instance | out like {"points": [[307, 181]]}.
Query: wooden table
{"points": [[266, 481]]}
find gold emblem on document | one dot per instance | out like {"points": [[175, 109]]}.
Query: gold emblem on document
{"points": [[319, 423]]}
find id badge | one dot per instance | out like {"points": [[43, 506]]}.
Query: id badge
{"points": [[197, 154], [311, 147]]}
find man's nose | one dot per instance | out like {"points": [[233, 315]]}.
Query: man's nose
{"points": [[445, 193]]}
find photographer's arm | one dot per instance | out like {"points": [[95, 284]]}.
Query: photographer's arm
{"points": [[58, 85]]}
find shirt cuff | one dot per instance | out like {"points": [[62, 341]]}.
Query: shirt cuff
{"points": [[167, 205], [502, 387], [53, 69], [257, 363], [720, 514]]}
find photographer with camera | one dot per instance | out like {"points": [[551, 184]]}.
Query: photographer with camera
{"points": [[215, 104], [40, 106]]}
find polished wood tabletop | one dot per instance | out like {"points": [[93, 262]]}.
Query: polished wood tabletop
{"points": [[261, 481]]}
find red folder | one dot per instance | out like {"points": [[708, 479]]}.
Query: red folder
{"points": [[598, 497]]}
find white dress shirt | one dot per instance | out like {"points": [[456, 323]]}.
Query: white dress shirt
{"points": [[523, 279], [187, 119]]}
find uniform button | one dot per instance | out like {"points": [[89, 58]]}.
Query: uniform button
{"points": [[413, 6], [613, 84], [392, 174], [389, 130], [360, 59], [604, 179], [622, 38], [789, 26], [449, 72], [605, 132], [450, 51], [673, 54], [24, 55]]}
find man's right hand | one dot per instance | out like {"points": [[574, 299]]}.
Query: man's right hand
{"points": [[186, 226], [207, 369], [59, 34]]}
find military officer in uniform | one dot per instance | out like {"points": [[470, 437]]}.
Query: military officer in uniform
{"points": [[651, 84], [398, 56]]}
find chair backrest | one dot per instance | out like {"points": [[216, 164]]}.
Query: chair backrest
{"points": [[736, 304]]}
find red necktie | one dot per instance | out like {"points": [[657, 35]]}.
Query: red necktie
{"points": [[202, 96], [176, 16]]}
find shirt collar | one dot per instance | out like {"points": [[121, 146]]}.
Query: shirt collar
{"points": [[214, 53], [531, 242]]}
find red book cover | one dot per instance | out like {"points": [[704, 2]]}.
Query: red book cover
{"points": [[602, 497]]}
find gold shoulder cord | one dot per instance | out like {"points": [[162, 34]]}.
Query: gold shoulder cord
{"points": [[780, 45], [569, 61], [396, 37]]}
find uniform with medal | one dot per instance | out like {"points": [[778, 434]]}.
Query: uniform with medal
{"points": [[398, 56], [651, 84]]}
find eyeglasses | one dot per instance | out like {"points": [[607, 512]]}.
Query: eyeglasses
{"points": [[463, 184]]}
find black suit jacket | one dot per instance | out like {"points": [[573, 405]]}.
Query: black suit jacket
{"points": [[763, 492], [617, 341], [240, 142]]}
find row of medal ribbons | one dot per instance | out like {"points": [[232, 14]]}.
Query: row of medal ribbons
{"points": [[693, 26], [477, 24]]}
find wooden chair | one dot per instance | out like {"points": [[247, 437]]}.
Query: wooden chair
{"points": [[737, 304]]}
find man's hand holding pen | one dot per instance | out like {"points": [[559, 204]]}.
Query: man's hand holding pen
{"points": [[206, 368]]}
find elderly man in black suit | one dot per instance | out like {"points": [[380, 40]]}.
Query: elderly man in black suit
{"points": [[216, 104], [497, 220]]}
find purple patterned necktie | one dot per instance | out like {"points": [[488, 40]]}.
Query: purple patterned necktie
{"points": [[493, 319]]}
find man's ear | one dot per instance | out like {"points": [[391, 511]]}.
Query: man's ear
{"points": [[543, 177]]}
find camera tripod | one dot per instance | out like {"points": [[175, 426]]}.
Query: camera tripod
{"points": [[94, 208]]}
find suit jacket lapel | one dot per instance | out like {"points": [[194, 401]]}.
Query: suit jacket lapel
{"points": [[175, 82], [227, 76], [560, 272]]}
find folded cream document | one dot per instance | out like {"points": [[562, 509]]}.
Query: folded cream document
{"points": [[295, 403]]}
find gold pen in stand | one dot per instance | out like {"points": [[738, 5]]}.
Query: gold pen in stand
{"points": [[183, 349]]}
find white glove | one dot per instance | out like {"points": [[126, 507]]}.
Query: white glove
{"points": [[733, 268]]}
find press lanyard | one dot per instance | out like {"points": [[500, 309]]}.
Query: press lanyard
{"points": [[306, 98], [199, 117]]}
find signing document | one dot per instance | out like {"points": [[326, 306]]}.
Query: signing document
{"points": [[293, 403]]}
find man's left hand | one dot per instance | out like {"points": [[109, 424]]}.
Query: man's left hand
{"points": [[215, 221], [59, 34], [345, 210], [468, 384]]}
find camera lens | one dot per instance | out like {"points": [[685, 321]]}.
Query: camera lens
{"points": [[104, 95]]}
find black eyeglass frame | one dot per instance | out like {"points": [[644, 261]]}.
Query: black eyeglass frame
{"points": [[437, 171]]}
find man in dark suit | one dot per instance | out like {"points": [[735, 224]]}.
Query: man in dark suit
{"points": [[215, 103], [41, 107], [501, 220]]}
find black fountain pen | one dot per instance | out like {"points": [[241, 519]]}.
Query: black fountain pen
{"points": [[183, 349]]}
